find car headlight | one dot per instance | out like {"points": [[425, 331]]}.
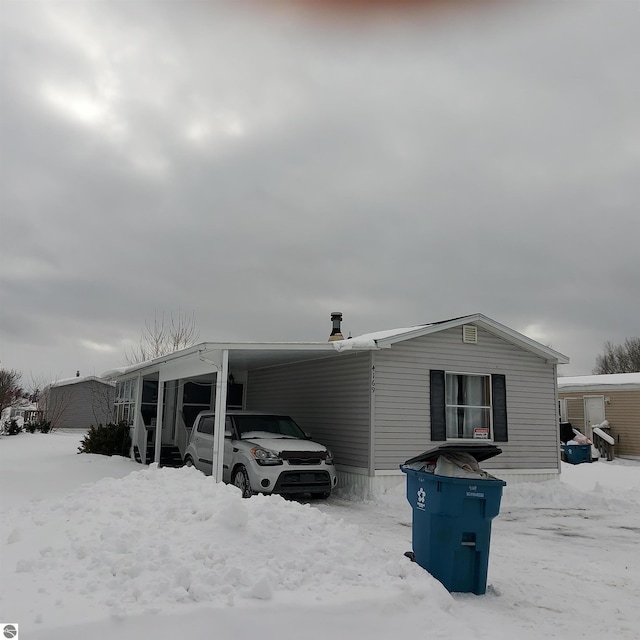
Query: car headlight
{"points": [[265, 457], [329, 458]]}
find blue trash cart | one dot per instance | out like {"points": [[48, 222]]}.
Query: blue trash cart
{"points": [[451, 529], [577, 453]]}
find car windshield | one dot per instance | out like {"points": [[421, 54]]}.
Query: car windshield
{"points": [[268, 426]]}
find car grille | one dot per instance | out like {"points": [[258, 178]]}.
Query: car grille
{"points": [[300, 458], [303, 482]]}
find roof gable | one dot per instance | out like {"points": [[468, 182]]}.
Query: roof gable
{"points": [[385, 339], [79, 380]]}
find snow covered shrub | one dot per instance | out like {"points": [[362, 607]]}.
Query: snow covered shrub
{"points": [[38, 425], [110, 440], [12, 427], [43, 426]]}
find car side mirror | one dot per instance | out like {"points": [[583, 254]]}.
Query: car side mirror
{"points": [[307, 435]]}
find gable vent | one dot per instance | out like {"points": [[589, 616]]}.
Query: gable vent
{"points": [[469, 334]]}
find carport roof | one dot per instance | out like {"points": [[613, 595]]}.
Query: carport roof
{"points": [[245, 355]]}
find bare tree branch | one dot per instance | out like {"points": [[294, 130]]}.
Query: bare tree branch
{"points": [[10, 389], [162, 336], [619, 358], [54, 401], [102, 402]]}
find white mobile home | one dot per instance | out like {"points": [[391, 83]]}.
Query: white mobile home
{"points": [[376, 400]]}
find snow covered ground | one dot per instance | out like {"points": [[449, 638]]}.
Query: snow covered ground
{"points": [[97, 547]]}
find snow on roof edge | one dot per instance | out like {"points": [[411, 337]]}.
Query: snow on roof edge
{"points": [[605, 379], [77, 379], [369, 340]]}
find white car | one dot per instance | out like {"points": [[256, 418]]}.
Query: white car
{"points": [[263, 452]]}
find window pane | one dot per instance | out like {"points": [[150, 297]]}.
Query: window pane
{"points": [[197, 393], [468, 422], [189, 413], [206, 425], [467, 390], [148, 412], [150, 391]]}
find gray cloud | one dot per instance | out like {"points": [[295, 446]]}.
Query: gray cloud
{"points": [[264, 168]]}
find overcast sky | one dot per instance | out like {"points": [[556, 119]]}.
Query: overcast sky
{"points": [[261, 166]]}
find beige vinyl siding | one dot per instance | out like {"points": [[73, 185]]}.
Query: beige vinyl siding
{"points": [[575, 409], [622, 412], [402, 397], [329, 398]]}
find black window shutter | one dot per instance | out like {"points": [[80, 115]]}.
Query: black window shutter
{"points": [[499, 396], [437, 402]]}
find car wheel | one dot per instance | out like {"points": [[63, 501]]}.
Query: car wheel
{"points": [[241, 480], [188, 462], [321, 496]]}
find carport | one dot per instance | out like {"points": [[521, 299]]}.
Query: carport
{"points": [[219, 365]]}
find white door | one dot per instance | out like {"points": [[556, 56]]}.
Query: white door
{"points": [[593, 413]]}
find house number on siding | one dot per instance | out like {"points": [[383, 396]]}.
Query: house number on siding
{"points": [[373, 379]]}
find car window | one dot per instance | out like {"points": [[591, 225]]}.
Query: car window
{"points": [[268, 426], [205, 425]]}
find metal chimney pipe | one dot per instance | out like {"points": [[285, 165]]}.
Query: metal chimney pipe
{"points": [[336, 332]]}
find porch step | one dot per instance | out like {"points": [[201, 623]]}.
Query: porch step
{"points": [[169, 456]]}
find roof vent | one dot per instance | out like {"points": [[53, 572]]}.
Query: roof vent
{"points": [[470, 333], [336, 332]]}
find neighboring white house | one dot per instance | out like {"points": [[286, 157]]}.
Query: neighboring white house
{"points": [[21, 413], [589, 400], [376, 400], [78, 403]]}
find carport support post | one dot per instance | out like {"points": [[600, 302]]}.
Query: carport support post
{"points": [[220, 417], [138, 424], [158, 447]]}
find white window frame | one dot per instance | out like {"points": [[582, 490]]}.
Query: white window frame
{"points": [[489, 406], [124, 406]]}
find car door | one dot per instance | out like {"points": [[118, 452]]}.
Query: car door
{"points": [[229, 437], [203, 441]]}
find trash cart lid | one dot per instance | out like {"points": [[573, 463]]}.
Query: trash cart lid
{"points": [[480, 451]]}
